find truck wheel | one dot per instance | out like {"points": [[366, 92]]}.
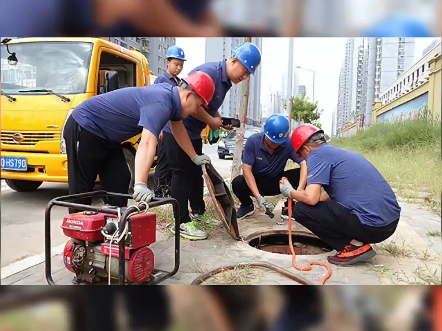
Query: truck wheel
{"points": [[22, 185], [130, 160]]}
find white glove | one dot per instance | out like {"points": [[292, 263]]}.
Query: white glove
{"points": [[201, 159], [142, 193], [285, 187], [263, 204]]}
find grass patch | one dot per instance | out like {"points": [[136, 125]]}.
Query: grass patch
{"points": [[165, 217], [408, 154], [433, 233], [242, 274]]}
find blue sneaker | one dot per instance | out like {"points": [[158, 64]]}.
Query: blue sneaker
{"points": [[245, 211]]}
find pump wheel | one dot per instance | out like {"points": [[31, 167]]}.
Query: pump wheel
{"points": [[130, 160], [22, 185]]}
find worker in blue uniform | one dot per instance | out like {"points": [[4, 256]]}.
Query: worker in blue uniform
{"points": [[175, 61], [187, 182], [357, 208], [98, 126], [264, 160]]}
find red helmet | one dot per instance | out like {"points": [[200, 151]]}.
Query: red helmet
{"points": [[202, 84], [302, 133]]}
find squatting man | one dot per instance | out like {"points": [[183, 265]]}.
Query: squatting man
{"points": [[357, 208]]}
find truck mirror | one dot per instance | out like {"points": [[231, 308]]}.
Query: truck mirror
{"points": [[111, 82]]}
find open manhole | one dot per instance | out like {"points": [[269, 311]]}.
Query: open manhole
{"points": [[278, 242]]}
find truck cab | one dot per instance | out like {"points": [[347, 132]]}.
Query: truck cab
{"points": [[42, 81]]}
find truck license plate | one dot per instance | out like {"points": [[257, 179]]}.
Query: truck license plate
{"points": [[14, 163]]}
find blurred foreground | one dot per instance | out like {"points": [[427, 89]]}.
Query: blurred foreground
{"points": [[220, 308]]}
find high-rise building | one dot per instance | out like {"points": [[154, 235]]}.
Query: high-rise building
{"points": [[302, 91], [370, 65], [388, 58], [154, 48], [218, 49]]}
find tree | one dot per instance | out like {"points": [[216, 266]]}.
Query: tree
{"points": [[305, 111], [243, 105]]}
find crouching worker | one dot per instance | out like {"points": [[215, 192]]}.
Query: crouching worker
{"points": [[358, 207], [97, 128], [264, 159]]}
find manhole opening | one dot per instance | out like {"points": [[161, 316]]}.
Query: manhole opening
{"points": [[279, 243]]}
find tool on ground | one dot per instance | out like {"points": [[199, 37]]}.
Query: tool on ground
{"points": [[222, 198], [109, 244], [310, 264]]}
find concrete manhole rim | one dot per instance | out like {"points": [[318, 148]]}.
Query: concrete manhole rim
{"points": [[255, 235]]}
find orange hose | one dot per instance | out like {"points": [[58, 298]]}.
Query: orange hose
{"points": [[310, 264]]}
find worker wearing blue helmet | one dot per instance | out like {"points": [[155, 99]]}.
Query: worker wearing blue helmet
{"points": [[175, 61], [187, 184], [263, 163]]}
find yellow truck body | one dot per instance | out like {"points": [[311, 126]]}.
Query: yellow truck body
{"points": [[33, 117]]}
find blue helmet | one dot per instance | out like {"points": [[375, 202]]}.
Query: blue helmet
{"points": [[393, 26], [175, 52], [249, 55], [277, 128]]}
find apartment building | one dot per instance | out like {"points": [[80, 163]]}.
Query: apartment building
{"points": [[154, 48], [370, 65]]}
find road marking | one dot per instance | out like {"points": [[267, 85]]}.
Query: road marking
{"points": [[5, 187], [29, 262]]}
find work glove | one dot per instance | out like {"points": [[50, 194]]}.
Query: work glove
{"points": [[142, 193], [285, 187], [263, 204], [201, 159]]}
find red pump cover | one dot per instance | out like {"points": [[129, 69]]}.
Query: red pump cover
{"points": [[144, 229], [85, 226]]}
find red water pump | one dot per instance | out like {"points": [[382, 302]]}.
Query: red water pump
{"points": [[107, 244]]}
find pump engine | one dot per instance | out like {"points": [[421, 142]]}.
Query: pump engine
{"points": [[92, 253]]}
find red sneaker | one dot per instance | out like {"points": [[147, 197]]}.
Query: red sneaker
{"points": [[352, 254]]}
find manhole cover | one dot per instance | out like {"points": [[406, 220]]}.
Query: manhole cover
{"points": [[278, 242]]}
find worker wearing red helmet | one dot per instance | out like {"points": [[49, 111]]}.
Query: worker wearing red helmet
{"points": [[264, 159], [358, 207], [97, 128]]}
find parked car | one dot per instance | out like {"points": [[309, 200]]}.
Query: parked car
{"points": [[226, 146]]}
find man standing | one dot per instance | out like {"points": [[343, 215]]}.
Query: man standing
{"points": [[187, 181], [97, 128], [175, 61], [263, 162], [358, 207]]}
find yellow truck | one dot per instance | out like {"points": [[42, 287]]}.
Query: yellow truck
{"points": [[42, 81]]}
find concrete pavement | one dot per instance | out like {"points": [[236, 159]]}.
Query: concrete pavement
{"points": [[22, 214]]}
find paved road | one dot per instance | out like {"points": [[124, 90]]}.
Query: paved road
{"points": [[22, 216]]}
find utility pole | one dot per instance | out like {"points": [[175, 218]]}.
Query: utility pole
{"points": [[290, 114], [243, 105]]}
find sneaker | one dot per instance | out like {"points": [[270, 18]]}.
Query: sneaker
{"points": [[245, 211], [352, 254], [197, 217], [190, 231]]}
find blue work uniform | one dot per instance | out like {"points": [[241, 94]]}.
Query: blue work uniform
{"points": [[122, 114], [95, 131], [267, 169], [353, 182], [216, 71], [262, 162], [167, 78]]}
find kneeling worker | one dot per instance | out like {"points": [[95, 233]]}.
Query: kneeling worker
{"points": [[264, 159], [358, 207], [97, 128]]}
